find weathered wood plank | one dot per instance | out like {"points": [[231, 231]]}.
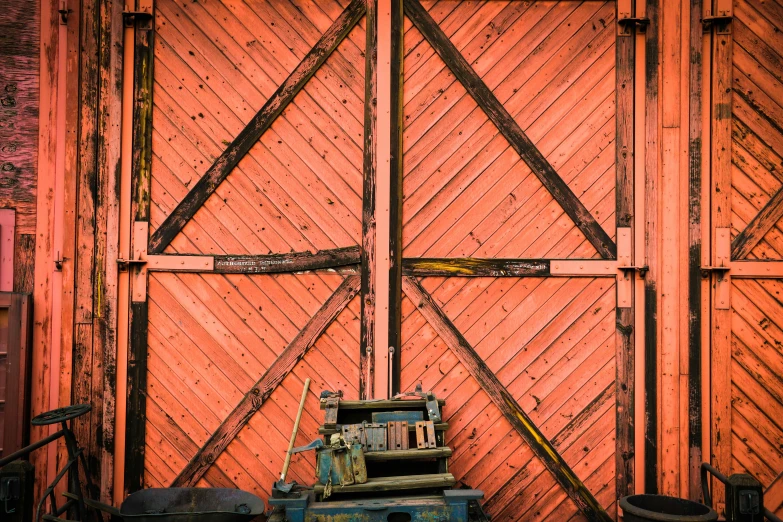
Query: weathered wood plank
{"points": [[396, 194], [258, 125], [720, 373], [511, 130], [504, 401], [294, 262], [473, 267], [135, 440], [367, 338], [273, 376]]}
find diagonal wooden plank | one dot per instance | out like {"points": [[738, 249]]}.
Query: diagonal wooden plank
{"points": [[758, 227], [509, 407], [230, 157], [257, 395], [511, 130], [773, 495]]}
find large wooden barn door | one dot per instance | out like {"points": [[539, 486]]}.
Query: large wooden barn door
{"points": [[250, 176], [747, 243], [516, 156]]}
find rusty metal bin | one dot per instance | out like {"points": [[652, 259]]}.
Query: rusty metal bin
{"points": [[660, 508]]}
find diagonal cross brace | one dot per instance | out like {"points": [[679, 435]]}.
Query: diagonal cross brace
{"points": [[758, 227], [511, 130], [507, 405], [274, 375], [238, 148]]}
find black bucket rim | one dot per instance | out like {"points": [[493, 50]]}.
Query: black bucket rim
{"points": [[710, 516]]}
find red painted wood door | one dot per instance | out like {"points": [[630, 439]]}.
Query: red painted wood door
{"points": [[512, 211], [249, 176], [747, 243], [514, 145]]}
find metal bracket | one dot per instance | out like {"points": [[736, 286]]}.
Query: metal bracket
{"points": [[143, 12], [640, 22], [721, 268], [124, 264]]}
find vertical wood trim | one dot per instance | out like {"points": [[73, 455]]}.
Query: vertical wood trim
{"points": [[651, 163], [382, 200], [124, 252], [70, 197], [42, 366], [368, 289], [694, 250], [395, 205], [17, 411], [136, 415], [86, 426], [624, 455], [107, 238], [508, 406], [721, 218]]}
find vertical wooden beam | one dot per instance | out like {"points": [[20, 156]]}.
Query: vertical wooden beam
{"points": [[69, 265], [650, 313], [136, 414], [669, 243], [624, 460], [395, 207], [42, 367], [695, 148], [721, 218], [107, 237], [368, 292], [705, 228], [383, 200], [86, 194], [124, 252]]}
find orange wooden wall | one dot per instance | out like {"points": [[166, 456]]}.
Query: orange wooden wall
{"points": [[300, 189]]}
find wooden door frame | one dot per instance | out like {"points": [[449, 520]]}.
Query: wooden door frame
{"points": [[356, 263], [403, 272]]}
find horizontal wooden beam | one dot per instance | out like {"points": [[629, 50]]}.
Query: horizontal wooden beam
{"points": [[511, 130], [260, 392], [756, 269], [504, 401], [293, 262], [474, 267], [275, 105]]}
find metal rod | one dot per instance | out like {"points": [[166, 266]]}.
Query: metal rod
{"points": [[31, 448], [296, 429]]}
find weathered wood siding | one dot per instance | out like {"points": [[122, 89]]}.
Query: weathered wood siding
{"points": [[551, 342], [755, 365], [215, 338]]}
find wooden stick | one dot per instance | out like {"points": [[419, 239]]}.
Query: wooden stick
{"points": [[295, 431]]}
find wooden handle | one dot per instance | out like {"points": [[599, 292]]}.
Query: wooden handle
{"points": [[296, 429]]}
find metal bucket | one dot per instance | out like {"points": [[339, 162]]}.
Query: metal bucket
{"points": [[660, 508]]}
